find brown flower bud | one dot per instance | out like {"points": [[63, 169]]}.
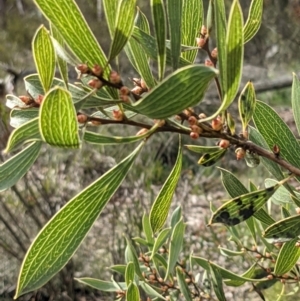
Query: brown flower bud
{"points": [[208, 63], [240, 153], [298, 210], [201, 42], [217, 124], [82, 118], [194, 135], [137, 81], [115, 77], [270, 277], [125, 98], [39, 99], [27, 100], [137, 90], [224, 143], [195, 128], [143, 85], [192, 120], [202, 116], [97, 70], [160, 122], [118, 115], [245, 134], [83, 68], [203, 30], [124, 91], [142, 132], [214, 53], [95, 83]]}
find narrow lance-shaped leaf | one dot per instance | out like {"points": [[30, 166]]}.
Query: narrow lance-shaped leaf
{"points": [[210, 159], [29, 131], [174, 9], [147, 228], [234, 53], [74, 30], [148, 43], [184, 289], [242, 207], [160, 240], [63, 234], [110, 9], [105, 286], [159, 20], [165, 101], [132, 293], [275, 131], [13, 169], [142, 22], [130, 255], [161, 206], [19, 117], [175, 246], [296, 100], [151, 292], [220, 27], [123, 27], [61, 55], [217, 282], [287, 258], [129, 273], [247, 102], [254, 19], [284, 230], [58, 122], [192, 17], [44, 57]]}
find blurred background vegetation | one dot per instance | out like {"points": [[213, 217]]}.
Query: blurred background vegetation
{"points": [[273, 54]]}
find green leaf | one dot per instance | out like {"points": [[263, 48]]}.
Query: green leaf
{"points": [[296, 100], [19, 117], [139, 61], [175, 246], [132, 293], [142, 22], [158, 104], [205, 264], [247, 101], [203, 149], [281, 196], [148, 44], [276, 132], [250, 273], [230, 253], [13, 169], [184, 289], [74, 30], [119, 268], [210, 159], [174, 9], [61, 55], [129, 273], [254, 20], [27, 132], [161, 206], [104, 286], [160, 26], [192, 17], [176, 216], [130, 255], [242, 207], [220, 27], [110, 9], [271, 166], [58, 122], [60, 238], [147, 228], [264, 217], [44, 56], [284, 230], [217, 282], [123, 27], [96, 138], [231, 59], [160, 240], [151, 292], [287, 258]]}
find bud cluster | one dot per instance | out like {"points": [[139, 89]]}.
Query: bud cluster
{"points": [[29, 101]]}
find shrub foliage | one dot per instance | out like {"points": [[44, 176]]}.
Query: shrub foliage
{"points": [[65, 115]]}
